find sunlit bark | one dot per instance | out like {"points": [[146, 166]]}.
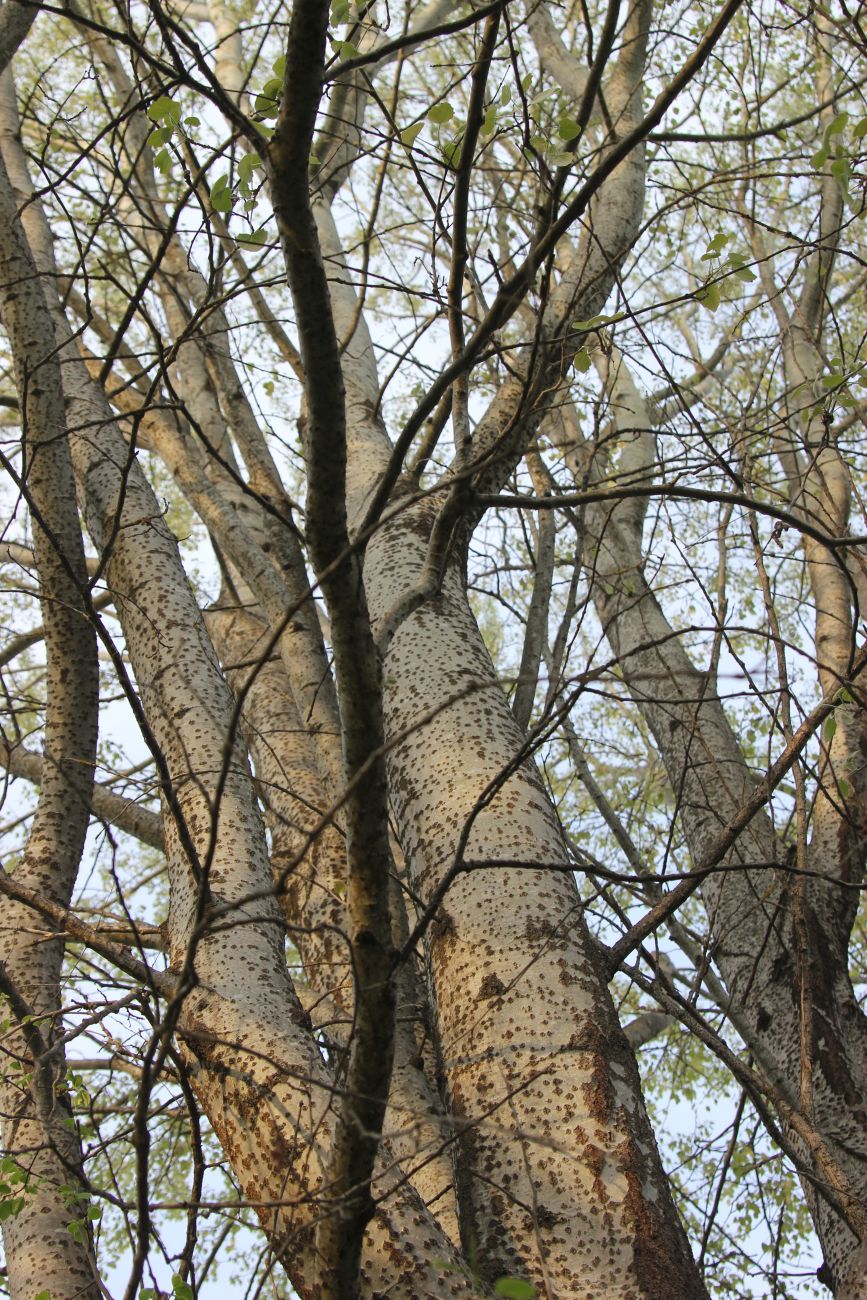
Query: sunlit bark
{"points": [[38, 1135], [757, 916], [448, 1097]]}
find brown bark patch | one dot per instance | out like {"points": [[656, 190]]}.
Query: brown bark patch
{"points": [[491, 987], [443, 930], [653, 1252]]}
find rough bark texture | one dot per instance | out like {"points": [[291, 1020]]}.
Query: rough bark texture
{"points": [[254, 1064], [452, 1099], [35, 1112], [780, 944], [356, 665], [557, 1170]]}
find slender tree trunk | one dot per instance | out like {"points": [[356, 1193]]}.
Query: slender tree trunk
{"points": [[792, 996], [254, 1064], [37, 1133]]}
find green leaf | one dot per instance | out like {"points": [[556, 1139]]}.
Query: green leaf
{"points": [[160, 135], [221, 195], [738, 270], [164, 109], [147, 1293], [42, 1295], [595, 321], [163, 161], [821, 156], [581, 361], [514, 1288], [267, 103], [841, 171], [490, 121], [859, 130], [830, 729], [346, 50], [709, 296], [844, 788], [278, 67], [440, 113], [247, 166], [255, 239], [339, 12], [181, 1289], [836, 126], [409, 134], [451, 153], [716, 246], [568, 128], [265, 106], [505, 96], [94, 1213], [527, 80]]}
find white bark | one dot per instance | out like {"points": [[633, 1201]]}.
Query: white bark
{"points": [[757, 916], [557, 1171], [558, 1176], [308, 861], [34, 1108], [254, 1064]]}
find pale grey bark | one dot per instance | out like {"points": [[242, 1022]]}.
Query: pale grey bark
{"points": [[33, 1105], [308, 861], [535, 1069], [16, 19], [588, 269], [254, 1065], [535, 634], [644, 1028], [558, 1175], [263, 546], [308, 853], [533, 1059], [25, 640], [356, 665], [560, 62], [761, 920], [245, 539], [264, 549]]}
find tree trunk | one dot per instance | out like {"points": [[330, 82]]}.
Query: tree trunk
{"points": [[45, 1187]]}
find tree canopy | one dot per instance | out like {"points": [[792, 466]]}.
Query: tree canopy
{"points": [[433, 704]]}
